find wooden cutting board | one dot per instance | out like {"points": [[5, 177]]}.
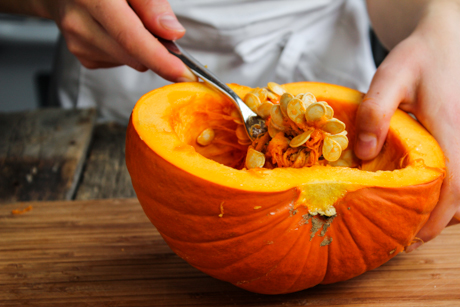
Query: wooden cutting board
{"points": [[106, 253]]}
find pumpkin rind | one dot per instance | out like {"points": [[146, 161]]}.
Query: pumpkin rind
{"points": [[253, 228]]}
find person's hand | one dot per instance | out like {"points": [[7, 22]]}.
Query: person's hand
{"points": [[109, 33], [421, 75]]}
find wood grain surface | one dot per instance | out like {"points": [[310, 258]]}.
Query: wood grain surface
{"points": [[42, 153], [106, 253], [105, 174]]}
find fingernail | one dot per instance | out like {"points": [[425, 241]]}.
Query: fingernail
{"points": [[188, 76], [170, 22], [367, 144]]}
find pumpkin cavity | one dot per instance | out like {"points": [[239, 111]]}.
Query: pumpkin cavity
{"points": [[302, 132]]}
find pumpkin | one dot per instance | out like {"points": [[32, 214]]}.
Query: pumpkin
{"points": [[254, 228]]}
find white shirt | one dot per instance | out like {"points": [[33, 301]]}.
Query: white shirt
{"points": [[249, 42]]}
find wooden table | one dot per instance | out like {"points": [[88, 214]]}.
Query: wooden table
{"points": [[56, 154], [88, 243]]}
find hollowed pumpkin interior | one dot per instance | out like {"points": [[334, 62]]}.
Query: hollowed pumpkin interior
{"points": [[190, 117], [169, 120]]}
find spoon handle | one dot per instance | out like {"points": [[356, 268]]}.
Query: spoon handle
{"points": [[200, 71]]}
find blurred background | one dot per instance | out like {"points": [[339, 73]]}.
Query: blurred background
{"points": [[27, 47], [53, 153]]}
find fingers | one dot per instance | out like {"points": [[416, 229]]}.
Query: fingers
{"points": [[386, 92], [88, 41], [441, 215], [122, 23], [158, 18], [108, 33]]}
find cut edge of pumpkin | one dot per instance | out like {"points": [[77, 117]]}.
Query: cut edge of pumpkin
{"points": [[426, 161]]}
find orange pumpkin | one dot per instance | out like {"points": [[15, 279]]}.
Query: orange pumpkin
{"points": [[253, 228]]}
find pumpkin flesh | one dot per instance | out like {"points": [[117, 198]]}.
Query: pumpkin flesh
{"points": [[255, 228]]}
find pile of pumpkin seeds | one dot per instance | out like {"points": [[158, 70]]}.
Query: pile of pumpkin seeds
{"points": [[301, 124]]}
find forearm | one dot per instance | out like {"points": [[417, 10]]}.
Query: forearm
{"points": [[25, 7], [395, 20]]}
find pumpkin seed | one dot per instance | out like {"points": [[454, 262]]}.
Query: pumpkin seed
{"points": [[333, 126], [340, 162], [341, 139], [236, 117], [272, 131], [254, 159], [331, 150], [346, 159], [284, 101], [272, 97], [252, 101], [308, 98], [301, 139], [264, 109], [296, 111], [299, 96], [261, 93], [277, 118], [206, 137], [315, 112], [329, 112], [276, 88], [241, 134]]}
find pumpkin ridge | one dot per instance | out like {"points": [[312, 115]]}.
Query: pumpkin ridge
{"points": [[385, 230], [411, 212], [362, 250], [274, 266], [314, 269], [283, 218], [338, 231], [268, 225], [376, 226], [305, 257]]}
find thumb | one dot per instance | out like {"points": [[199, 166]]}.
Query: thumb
{"points": [[386, 92], [158, 17]]}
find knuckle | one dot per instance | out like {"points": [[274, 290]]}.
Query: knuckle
{"points": [[124, 38], [70, 23], [74, 47], [370, 108], [139, 67]]}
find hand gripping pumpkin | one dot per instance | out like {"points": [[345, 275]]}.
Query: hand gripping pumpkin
{"points": [[259, 228]]}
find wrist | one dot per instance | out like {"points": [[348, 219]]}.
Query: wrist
{"points": [[441, 15]]}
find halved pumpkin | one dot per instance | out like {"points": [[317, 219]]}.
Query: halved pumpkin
{"points": [[254, 228]]}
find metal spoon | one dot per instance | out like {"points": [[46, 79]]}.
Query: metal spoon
{"points": [[254, 124]]}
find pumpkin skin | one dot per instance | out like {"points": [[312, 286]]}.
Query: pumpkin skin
{"points": [[253, 228]]}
